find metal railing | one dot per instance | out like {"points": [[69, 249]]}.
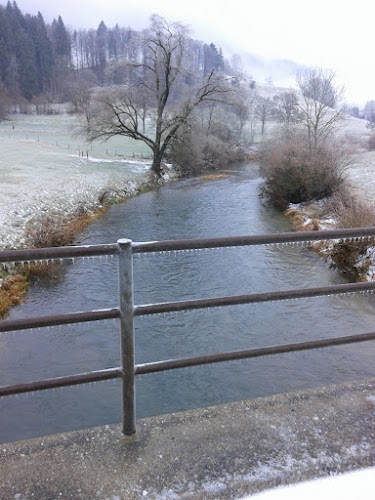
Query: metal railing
{"points": [[127, 310]]}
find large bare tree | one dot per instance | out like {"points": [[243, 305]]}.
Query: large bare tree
{"points": [[162, 86], [318, 104]]}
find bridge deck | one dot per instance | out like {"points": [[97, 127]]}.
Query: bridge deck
{"points": [[218, 452]]}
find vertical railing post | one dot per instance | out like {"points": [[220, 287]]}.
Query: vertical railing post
{"points": [[125, 269]]}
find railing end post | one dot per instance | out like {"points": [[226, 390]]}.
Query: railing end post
{"points": [[124, 242]]}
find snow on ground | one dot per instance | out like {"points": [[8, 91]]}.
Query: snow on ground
{"points": [[350, 486], [43, 172]]}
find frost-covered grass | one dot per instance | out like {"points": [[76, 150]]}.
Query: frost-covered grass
{"points": [[43, 173]]}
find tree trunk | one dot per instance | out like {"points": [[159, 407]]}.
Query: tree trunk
{"points": [[156, 162]]}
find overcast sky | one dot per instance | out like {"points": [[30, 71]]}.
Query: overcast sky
{"points": [[330, 33]]}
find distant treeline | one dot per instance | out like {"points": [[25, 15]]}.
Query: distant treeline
{"points": [[40, 62], [34, 57]]}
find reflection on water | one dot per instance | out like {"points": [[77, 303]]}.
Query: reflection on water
{"points": [[225, 206]]}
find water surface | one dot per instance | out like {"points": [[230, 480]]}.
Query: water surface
{"points": [[190, 208]]}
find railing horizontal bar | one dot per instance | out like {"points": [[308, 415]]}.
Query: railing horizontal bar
{"points": [[81, 378], [171, 364], [58, 319], [34, 254], [262, 239], [184, 244], [187, 305], [158, 366]]}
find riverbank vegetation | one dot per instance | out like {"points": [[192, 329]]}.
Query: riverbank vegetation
{"points": [[355, 258], [305, 161], [177, 96], [304, 170], [61, 230], [295, 173], [171, 101], [13, 287]]}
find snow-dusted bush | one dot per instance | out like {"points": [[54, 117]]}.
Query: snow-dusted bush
{"points": [[49, 232], [295, 172], [354, 258]]}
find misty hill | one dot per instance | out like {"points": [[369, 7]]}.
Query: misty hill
{"points": [[39, 61], [277, 72]]}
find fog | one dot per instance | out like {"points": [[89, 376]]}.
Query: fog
{"points": [[330, 34]]}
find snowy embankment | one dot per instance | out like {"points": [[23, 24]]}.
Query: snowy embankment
{"points": [[360, 184], [46, 169], [43, 173], [349, 486]]}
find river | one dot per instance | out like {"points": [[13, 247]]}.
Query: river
{"points": [[225, 206]]}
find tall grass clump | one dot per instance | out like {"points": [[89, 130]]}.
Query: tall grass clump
{"points": [[49, 232], [55, 232], [352, 257], [348, 211], [296, 172], [12, 288]]}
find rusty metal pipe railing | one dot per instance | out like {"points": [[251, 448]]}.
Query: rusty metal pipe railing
{"points": [[124, 250], [233, 300], [56, 253], [171, 364], [53, 383], [261, 239], [58, 319], [37, 254]]}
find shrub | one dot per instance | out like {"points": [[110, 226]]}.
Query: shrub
{"points": [[48, 232], [11, 291], [294, 173], [349, 212], [351, 256]]}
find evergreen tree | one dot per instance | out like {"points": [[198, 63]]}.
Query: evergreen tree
{"points": [[61, 45], [26, 59], [5, 52], [113, 42], [212, 58], [101, 49], [60, 39], [28, 81], [43, 52]]}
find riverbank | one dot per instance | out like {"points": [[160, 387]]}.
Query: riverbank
{"points": [[47, 219], [352, 206], [346, 209], [46, 186]]}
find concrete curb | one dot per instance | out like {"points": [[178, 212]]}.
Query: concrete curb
{"points": [[212, 453]]}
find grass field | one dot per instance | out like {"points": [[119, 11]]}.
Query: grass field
{"points": [[42, 170]]}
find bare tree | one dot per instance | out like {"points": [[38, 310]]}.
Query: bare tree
{"points": [[264, 110], [244, 101], [318, 104], [287, 111], [163, 83]]}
